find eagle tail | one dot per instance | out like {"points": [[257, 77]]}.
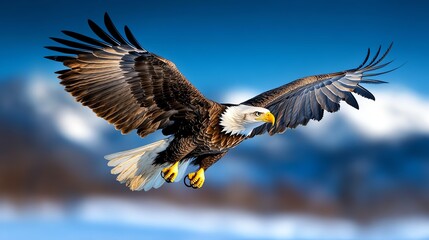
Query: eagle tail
{"points": [[136, 167]]}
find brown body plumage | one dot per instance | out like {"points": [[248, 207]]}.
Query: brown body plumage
{"points": [[134, 89], [202, 141]]}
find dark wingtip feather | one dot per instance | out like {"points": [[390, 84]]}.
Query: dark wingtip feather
{"points": [[368, 53], [59, 58], [132, 39], [74, 44], [85, 39], [65, 50], [101, 33], [62, 71], [382, 57], [380, 73], [351, 100], [374, 58], [55, 58], [50, 57], [375, 67], [372, 81], [364, 92], [113, 30]]}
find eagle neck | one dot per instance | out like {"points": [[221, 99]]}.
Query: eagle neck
{"points": [[232, 123]]}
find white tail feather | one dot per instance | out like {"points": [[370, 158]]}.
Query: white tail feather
{"points": [[135, 167]]}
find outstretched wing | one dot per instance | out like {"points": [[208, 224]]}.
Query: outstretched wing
{"points": [[125, 84], [297, 102]]}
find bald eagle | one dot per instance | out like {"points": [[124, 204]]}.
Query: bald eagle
{"points": [[134, 89]]}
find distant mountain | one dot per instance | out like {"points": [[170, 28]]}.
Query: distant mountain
{"points": [[52, 146], [35, 158]]}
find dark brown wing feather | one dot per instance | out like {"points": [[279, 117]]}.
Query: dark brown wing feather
{"points": [[125, 84], [307, 98]]}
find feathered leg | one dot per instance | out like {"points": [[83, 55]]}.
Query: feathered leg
{"points": [[175, 152]]}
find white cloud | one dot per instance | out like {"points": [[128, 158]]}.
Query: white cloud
{"points": [[73, 121], [75, 127], [395, 113], [238, 95], [124, 214]]}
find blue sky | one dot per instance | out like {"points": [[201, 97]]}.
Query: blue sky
{"points": [[248, 44]]}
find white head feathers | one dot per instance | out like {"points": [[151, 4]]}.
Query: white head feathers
{"points": [[241, 119]]}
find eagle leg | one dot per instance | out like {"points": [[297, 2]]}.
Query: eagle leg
{"points": [[175, 152], [196, 179], [170, 173]]}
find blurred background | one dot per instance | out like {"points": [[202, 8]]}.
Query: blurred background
{"points": [[354, 175]]}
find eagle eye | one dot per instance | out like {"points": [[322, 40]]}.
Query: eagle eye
{"points": [[257, 114]]}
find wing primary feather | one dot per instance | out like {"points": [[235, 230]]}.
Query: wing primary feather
{"points": [[374, 58], [382, 57], [60, 58], [375, 67], [62, 71], [101, 33], [132, 39], [364, 92], [85, 39], [74, 44], [113, 30], [380, 73], [351, 100], [368, 53], [66, 50], [372, 81]]}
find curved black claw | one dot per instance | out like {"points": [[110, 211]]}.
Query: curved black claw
{"points": [[166, 180], [187, 184], [197, 180]]}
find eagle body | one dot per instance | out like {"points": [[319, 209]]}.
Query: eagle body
{"points": [[134, 89], [203, 138]]}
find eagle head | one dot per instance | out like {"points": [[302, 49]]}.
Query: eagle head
{"points": [[242, 119]]}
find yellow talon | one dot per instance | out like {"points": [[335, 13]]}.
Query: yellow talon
{"points": [[170, 173], [197, 178]]}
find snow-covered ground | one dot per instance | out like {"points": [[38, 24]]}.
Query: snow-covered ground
{"points": [[101, 218]]}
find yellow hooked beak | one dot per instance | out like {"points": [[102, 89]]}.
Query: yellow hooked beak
{"points": [[267, 117]]}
